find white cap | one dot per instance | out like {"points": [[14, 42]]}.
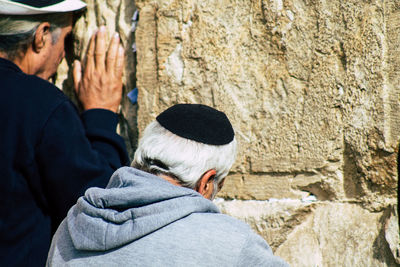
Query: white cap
{"points": [[32, 7]]}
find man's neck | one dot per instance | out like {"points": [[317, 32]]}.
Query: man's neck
{"points": [[21, 62], [169, 179], [4, 56]]}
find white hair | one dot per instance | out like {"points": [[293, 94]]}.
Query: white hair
{"points": [[161, 151], [18, 32]]}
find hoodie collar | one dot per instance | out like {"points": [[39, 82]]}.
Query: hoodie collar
{"points": [[134, 204]]}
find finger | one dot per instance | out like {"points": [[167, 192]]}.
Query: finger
{"points": [[77, 74], [100, 50], [90, 53], [112, 53], [119, 65]]}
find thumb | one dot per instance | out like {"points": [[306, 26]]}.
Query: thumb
{"points": [[77, 74]]}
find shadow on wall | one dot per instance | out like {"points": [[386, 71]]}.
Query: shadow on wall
{"points": [[127, 127], [384, 249]]}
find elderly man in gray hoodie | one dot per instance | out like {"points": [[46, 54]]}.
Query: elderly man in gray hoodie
{"points": [[159, 212]]}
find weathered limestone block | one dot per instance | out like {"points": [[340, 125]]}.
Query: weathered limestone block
{"points": [[305, 84], [274, 220], [338, 235], [321, 233]]}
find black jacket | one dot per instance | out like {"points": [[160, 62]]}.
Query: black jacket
{"points": [[49, 156]]}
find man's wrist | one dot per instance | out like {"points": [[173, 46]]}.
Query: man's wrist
{"points": [[98, 118], [110, 108]]}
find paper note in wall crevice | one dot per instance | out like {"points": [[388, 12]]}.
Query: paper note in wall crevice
{"points": [[133, 95]]}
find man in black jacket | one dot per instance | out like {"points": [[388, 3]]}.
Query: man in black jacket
{"points": [[49, 153]]}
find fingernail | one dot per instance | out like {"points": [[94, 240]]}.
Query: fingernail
{"points": [[116, 35], [102, 28], [76, 64]]}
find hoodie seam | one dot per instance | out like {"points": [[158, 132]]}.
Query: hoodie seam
{"points": [[105, 237]]}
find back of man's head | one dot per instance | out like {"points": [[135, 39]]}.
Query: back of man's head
{"points": [[185, 141], [20, 19]]}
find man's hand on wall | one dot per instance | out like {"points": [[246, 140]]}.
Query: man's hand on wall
{"points": [[99, 84]]}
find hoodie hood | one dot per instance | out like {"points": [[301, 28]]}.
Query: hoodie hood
{"points": [[134, 204]]}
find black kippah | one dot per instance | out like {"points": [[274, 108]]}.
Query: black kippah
{"points": [[197, 122]]}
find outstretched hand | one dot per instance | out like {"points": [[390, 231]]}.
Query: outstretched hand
{"points": [[99, 84]]}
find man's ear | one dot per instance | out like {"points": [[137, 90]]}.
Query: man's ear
{"points": [[205, 185], [42, 36]]}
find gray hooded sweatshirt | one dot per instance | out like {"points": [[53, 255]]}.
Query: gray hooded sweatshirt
{"points": [[143, 220]]}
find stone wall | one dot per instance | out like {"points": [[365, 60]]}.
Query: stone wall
{"points": [[312, 89]]}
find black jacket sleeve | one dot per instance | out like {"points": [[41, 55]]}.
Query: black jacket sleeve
{"points": [[77, 153]]}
